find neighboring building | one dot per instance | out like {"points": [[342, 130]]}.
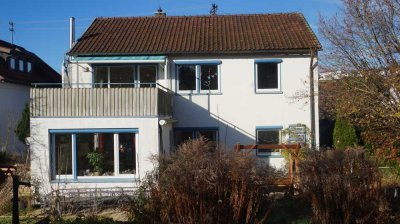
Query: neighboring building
{"points": [[138, 86], [19, 68]]}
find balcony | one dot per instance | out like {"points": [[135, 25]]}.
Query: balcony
{"points": [[101, 102]]}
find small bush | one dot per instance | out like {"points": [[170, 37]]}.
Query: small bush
{"points": [[344, 134], [5, 199], [204, 184], [23, 128], [344, 186]]}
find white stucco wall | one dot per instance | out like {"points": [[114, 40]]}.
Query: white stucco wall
{"points": [[237, 110], [148, 142], [13, 98]]}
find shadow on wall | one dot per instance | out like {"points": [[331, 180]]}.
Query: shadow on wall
{"points": [[192, 115]]}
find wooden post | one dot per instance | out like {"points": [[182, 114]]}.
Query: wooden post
{"points": [[16, 184], [237, 147], [15, 216]]}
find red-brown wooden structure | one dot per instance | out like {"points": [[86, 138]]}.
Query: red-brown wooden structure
{"points": [[280, 183]]}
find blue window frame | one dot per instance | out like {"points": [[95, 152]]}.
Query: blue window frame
{"points": [[93, 153]]}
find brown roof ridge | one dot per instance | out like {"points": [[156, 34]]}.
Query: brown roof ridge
{"points": [[198, 16]]}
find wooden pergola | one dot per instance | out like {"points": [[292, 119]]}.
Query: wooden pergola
{"points": [[292, 149], [8, 170]]}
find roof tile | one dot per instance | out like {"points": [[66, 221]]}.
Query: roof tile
{"points": [[196, 34]]}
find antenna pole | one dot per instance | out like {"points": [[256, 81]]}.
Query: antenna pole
{"points": [[11, 29], [214, 8]]}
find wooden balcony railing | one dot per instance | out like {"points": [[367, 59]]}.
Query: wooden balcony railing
{"points": [[100, 102]]}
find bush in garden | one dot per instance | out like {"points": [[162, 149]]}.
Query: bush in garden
{"points": [[344, 134], [202, 183], [23, 128], [344, 186]]}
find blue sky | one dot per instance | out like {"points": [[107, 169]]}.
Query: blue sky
{"points": [[42, 26]]}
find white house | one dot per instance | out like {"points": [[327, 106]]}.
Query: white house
{"points": [[19, 68], [139, 86]]}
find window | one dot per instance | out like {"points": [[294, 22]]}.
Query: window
{"points": [[12, 63], [62, 154], [187, 77], [198, 77], [268, 75], [147, 75], [183, 134], [209, 77], [125, 76], [21, 64], [121, 76], [271, 135], [29, 66], [93, 153]]}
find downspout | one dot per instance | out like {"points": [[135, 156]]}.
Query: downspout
{"points": [[313, 53]]}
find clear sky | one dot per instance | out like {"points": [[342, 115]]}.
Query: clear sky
{"points": [[42, 26]]}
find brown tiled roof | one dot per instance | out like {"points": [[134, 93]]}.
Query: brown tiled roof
{"points": [[196, 34]]}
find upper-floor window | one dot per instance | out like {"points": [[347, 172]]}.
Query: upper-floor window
{"points": [[29, 66], [125, 76], [12, 63], [198, 76], [21, 65], [268, 135], [268, 78]]}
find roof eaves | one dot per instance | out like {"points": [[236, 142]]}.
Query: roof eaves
{"points": [[317, 43]]}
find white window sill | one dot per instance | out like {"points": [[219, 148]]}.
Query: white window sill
{"points": [[201, 93], [99, 179], [269, 155], [269, 91]]}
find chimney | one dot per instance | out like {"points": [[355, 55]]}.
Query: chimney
{"points": [[71, 31], [160, 13]]}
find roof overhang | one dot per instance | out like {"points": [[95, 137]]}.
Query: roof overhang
{"points": [[119, 59]]}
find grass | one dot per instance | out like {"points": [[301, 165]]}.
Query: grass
{"points": [[22, 219], [291, 210]]}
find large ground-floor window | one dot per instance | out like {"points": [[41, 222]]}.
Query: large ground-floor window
{"points": [[183, 134], [93, 153]]}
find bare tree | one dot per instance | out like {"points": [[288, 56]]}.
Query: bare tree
{"points": [[363, 51]]}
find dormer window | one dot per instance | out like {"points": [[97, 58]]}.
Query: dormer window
{"points": [[21, 65], [29, 66], [12, 63]]}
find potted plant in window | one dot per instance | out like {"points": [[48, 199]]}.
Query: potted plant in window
{"points": [[96, 160]]}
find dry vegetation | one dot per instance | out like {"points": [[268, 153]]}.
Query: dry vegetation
{"points": [[344, 186], [204, 184]]}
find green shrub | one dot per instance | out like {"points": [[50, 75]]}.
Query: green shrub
{"points": [[202, 183], [344, 134], [96, 160], [23, 128]]}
